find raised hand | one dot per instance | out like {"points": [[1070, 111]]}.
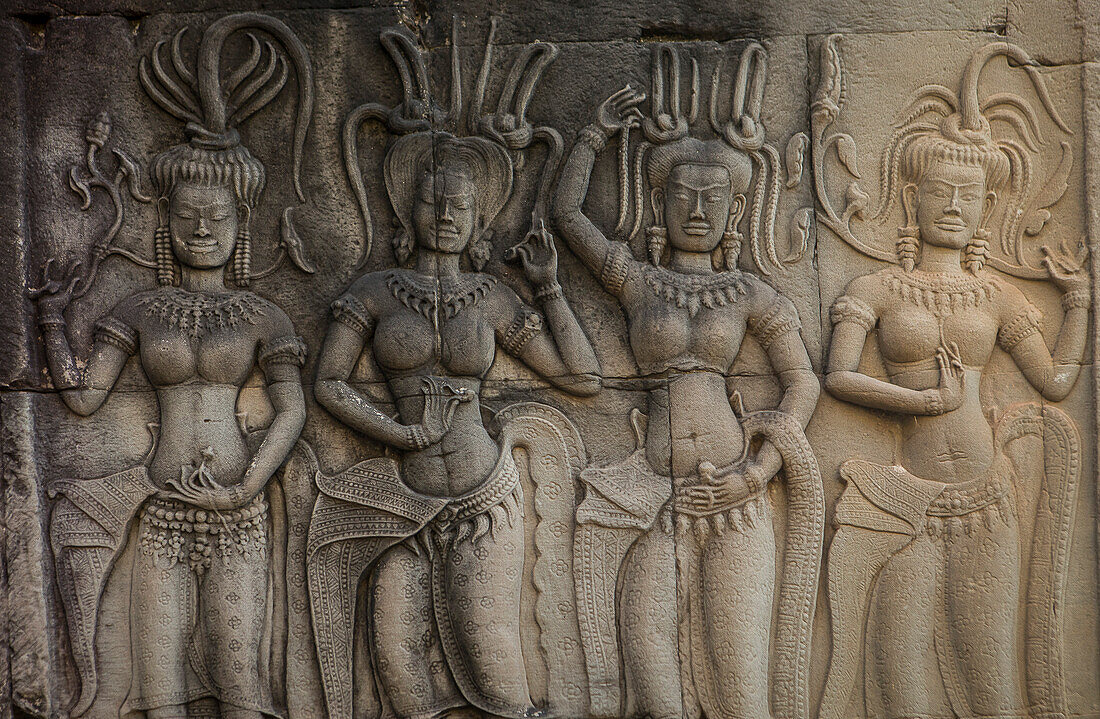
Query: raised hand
{"points": [[440, 402], [538, 255], [620, 111], [55, 293], [1066, 266], [952, 385]]}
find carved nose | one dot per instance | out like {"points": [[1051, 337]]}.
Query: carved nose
{"points": [[953, 205], [445, 215], [697, 213], [202, 230]]}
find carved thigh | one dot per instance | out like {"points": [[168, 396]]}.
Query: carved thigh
{"points": [[232, 614], [406, 649], [983, 589], [648, 628], [903, 675], [738, 585], [483, 579], [162, 611]]}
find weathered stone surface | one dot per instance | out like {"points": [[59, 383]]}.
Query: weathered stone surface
{"points": [[376, 398]]}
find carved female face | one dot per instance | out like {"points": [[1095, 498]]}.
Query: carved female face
{"points": [[696, 205], [203, 223], [444, 215], [951, 203]]}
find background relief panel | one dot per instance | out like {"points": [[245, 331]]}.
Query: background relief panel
{"points": [[709, 361]]}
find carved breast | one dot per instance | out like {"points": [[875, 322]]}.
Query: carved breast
{"points": [[664, 336], [405, 342]]}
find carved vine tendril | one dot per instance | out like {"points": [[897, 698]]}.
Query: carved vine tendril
{"points": [[84, 181]]}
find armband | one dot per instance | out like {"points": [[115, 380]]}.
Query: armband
{"points": [[525, 326], [852, 309], [615, 267], [287, 350], [1020, 327], [778, 319], [349, 311], [115, 332]]}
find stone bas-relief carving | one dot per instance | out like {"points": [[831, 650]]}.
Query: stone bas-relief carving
{"points": [[563, 451], [684, 525], [199, 553], [925, 567], [443, 536]]}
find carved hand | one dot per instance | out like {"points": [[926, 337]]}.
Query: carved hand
{"points": [[735, 485], [538, 255], [1066, 267], [199, 488], [55, 293], [949, 395], [440, 402], [620, 111]]}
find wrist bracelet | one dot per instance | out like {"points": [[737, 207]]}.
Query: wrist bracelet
{"points": [[54, 320], [593, 136], [934, 404], [1076, 298], [417, 438], [548, 292]]}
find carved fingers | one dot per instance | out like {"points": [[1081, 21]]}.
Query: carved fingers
{"points": [[715, 491], [57, 288], [1066, 266], [620, 111], [538, 255], [952, 378], [440, 402]]}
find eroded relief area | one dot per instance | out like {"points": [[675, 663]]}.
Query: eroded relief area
{"points": [[437, 370]]}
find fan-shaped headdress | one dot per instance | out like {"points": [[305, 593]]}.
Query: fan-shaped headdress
{"points": [[213, 109], [741, 149], [958, 127], [940, 125], [431, 136]]}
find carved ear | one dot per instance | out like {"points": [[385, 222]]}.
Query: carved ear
{"points": [[987, 209], [657, 203], [162, 211], [909, 202], [737, 211]]}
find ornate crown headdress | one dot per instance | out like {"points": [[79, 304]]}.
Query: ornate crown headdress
{"points": [[741, 146], [488, 140], [213, 108], [958, 126]]}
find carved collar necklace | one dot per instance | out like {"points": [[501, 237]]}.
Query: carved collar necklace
{"points": [[421, 293], [690, 291], [197, 313], [940, 293]]}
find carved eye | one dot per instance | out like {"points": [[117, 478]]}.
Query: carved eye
{"points": [[681, 196], [185, 214], [970, 197], [714, 198], [461, 203], [219, 216]]}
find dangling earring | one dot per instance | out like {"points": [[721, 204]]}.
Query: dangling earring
{"points": [[162, 248], [976, 251], [907, 245], [479, 249], [731, 249], [656, 238], [402, 243]]}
